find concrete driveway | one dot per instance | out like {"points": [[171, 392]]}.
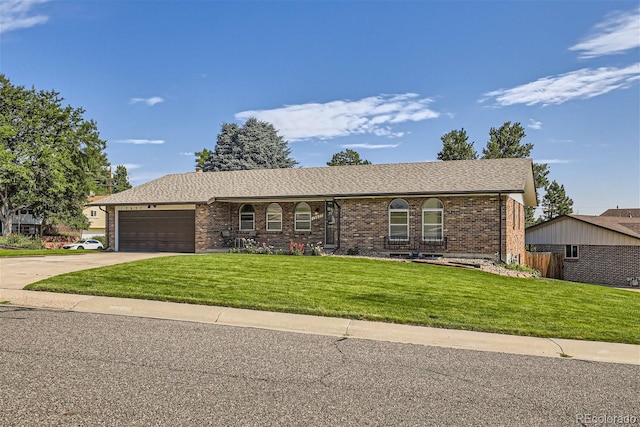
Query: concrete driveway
{"points": [[18, 272]]}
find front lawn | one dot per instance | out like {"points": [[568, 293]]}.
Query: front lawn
{"points": [[371, 289]]}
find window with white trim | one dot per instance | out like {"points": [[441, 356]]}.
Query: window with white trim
{"points": [[432, 220], [303, 217], [399, 220], [571, 251], [274, 217], [247, 218]]}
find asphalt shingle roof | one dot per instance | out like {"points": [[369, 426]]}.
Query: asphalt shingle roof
{"points": [[449, 177]]}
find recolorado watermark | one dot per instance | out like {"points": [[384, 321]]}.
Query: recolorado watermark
{"points": [[606, 419]]}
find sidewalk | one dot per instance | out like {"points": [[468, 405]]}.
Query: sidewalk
{"points": [[547, 347]]}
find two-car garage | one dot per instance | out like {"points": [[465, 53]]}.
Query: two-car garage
{"points": [[151, 230]]}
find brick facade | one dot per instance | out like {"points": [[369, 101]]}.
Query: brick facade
{"points": [[605, 265], [212, 220], [471, 225]]}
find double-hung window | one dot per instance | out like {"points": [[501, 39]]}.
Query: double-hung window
{"points": [[274, 217], [432, 225], [247, 218], [399, 220], [303, 217]]}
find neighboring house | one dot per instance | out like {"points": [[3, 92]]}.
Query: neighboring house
{"points": [[467, 208], [97, 217], [25, 223], [601, 249]]}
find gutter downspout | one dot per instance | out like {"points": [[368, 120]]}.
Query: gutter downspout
{"points": [[500, 227], [337, 226], [106, 226]]}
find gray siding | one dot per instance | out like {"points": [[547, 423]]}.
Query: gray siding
{"points": [[569, 231]]}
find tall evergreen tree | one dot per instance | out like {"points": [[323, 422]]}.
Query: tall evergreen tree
{"points": [[50, 156], [121, 179], [456, 147], [256, 145], [506, 142], [556, 202], [347, 157]]}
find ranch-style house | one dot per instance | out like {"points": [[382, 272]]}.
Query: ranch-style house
{"points": [[465, 208]]}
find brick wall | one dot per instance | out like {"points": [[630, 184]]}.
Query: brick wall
{"points": [[606, 265], [471, 225], [212, 219]]}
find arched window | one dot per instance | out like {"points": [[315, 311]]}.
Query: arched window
{"points": [[399, 220], [274, 217], [303, 217], [247, 218], [432, 221]]}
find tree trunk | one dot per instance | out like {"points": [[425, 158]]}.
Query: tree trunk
{"points": [[6, 217]]}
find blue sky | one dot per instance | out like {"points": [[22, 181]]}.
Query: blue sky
{"points": [[386, 79]]}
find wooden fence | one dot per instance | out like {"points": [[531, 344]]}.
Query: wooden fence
{"points": [[547, 263]]}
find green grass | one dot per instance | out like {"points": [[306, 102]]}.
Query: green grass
{"points": [[372, 289], [38, 252]]}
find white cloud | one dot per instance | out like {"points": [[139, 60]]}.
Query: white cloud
{"points": [[15, 14], [534, 124], [140, 177], [619, 32], [552, 161], [129, 166], [561, 141], [580, 84], [149, 101], [370, 146], [372, 115], [186, 153], [140, 141]]}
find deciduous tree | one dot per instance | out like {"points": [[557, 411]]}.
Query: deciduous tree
{"points": [[202, 156], [50, 156]]}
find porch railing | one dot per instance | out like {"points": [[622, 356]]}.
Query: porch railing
{"points": [[415, 244]]}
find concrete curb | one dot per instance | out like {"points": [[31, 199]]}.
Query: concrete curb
{"points": [[330, 326]]}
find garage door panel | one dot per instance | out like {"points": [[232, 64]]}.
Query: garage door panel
{"points": [[156, 231]]}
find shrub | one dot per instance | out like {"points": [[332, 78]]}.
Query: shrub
{"points": [[20, 242], [101, 239], [296, 248], [520, 267], [316, 249], [264, 249], [354, 250]]}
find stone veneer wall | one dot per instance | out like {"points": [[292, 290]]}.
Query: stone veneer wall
{"points": [[605, 265], [471, 225], [111, 226], [513, 239]]}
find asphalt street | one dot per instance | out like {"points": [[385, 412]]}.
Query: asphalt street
{"points": [[69, 368]]}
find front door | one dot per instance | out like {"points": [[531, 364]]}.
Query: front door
{"points": [[330, 226]]}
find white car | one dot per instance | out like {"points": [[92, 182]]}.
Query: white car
{"points": [[85, 244]]}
